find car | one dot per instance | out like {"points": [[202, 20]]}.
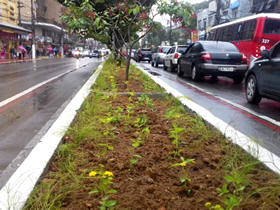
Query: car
{"points": [[85, 53], [158, 55], [76, 53], [263, 76], [95, 53], [171, 58], [144, 54], [213, 58]]}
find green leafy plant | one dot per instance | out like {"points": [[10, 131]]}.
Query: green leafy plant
{"points": [[184, 179], [105, 180], [232, 196], [106, 203], [140, 121], [106, 148], [145, 100], [175, 135], [135, 158]]}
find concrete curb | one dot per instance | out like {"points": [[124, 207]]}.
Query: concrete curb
{"points": [[268, 158], [18, 188]]}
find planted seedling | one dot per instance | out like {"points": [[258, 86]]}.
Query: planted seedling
{"points": [[184, 180]]}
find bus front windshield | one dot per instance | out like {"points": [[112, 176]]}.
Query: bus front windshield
{"points": [[271, 26]]}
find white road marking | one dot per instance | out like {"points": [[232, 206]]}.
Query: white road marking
{"points": [[18, 188], [19, 95]]}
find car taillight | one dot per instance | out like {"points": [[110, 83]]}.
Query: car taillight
{"points": [[206, 56], [176, 55], [244, 58], [139, 54]]}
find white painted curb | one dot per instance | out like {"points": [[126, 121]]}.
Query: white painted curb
{"points": [[268, 158], [18, 188]]}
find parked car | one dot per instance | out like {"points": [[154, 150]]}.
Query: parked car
{"points": [[171, 59], [85, 53], [95, 53], [263, 76], [144, 54], [213, 58], [158, 55]]}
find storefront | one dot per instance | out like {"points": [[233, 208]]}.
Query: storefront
{"points": [[10, 40]]}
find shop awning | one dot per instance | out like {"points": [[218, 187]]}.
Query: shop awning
{"points": [[13, 28], [49, 26]]}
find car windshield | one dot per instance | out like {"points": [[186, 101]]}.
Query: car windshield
{"points": [[182, 49], [95, 51], [165, 49], [219, 47], [271, 26]]}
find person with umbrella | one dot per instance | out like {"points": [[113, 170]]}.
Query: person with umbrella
{"points": [[23, 50], [50, 49]]}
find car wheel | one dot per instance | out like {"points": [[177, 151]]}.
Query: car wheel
{"points": [[152, 63], [156, 64], [164, 66], [252, 94], [195, 74], [179, 71], [237, 80], [172, 67]]}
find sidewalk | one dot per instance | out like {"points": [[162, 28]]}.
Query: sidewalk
{"points": [[8, 61]]}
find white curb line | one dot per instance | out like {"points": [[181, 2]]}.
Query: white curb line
{"points": [[18, 188], [268, 158]]}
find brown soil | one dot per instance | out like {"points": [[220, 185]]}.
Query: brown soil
{"points": [[152, 183]]}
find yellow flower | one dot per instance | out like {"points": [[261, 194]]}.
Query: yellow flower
{"points": [[131, 94], [108, 173], [92, 173], [207, 204], [182, 164]]}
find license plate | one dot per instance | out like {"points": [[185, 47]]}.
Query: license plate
{"points": [[222, 68]]}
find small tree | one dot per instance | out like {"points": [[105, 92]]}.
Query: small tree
{"points": [[116, 23], [180, 13]]}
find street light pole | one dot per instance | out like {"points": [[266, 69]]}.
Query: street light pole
{"points": [[33, 31], [19, 17]]}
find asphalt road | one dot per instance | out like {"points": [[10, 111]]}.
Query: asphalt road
{"points": [[32, 95], [227, 101]]}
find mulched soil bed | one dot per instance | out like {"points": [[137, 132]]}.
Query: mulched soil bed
{"points": [[151, 182]]}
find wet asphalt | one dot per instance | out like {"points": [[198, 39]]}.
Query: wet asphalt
{"points": [[23, 121], [227, 101]]}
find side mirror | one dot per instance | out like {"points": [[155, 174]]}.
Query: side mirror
{"points": [[265, 54]]}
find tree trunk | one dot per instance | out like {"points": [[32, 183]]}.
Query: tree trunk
{"points": [[128, 57]]}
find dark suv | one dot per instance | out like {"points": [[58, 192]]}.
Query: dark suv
{"points": [[143, 55], [263, 77]]}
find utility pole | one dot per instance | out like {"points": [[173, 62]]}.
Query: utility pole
{"points": [[218, 12], [19, 12], [170, 32], [19, 17], [33, 31]]}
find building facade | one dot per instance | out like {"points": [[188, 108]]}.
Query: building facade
{"points": [[10, 32], [47, 25]]}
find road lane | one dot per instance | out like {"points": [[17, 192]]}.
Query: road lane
{"points": [[23, 119], [207, 94]]}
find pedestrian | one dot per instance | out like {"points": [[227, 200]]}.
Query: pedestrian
{"points": [[12, 53], [3, 54]]}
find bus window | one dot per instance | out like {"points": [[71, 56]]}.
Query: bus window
{"points": [[248, 30], [271, 26]]}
